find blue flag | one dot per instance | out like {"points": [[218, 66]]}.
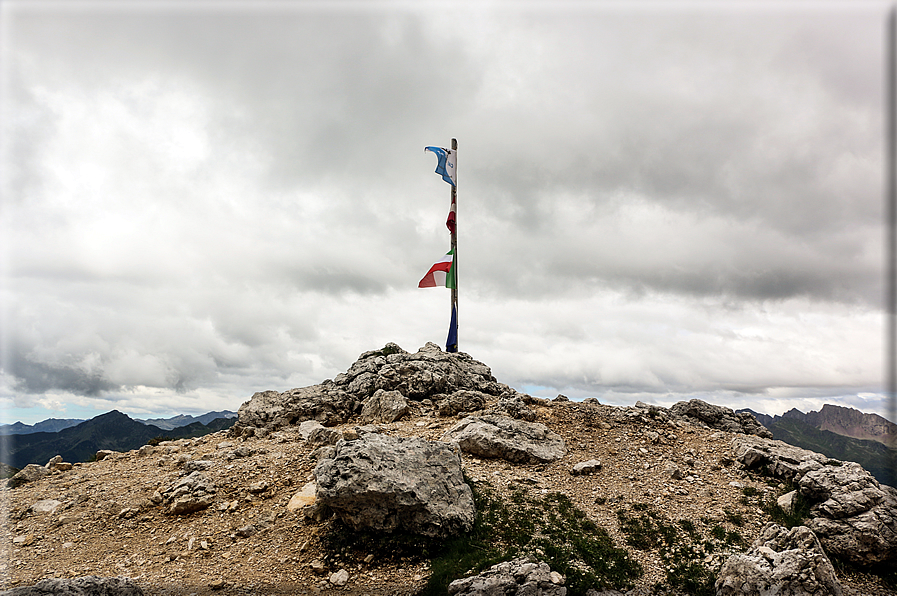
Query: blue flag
{"points": [[447, 166], [451, 344]]}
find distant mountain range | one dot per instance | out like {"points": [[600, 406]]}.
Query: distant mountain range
{"points": [[53, 425], [113, 430], [840, 433]]}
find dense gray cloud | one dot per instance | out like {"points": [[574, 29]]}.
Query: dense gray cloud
{"points": [[203, 201]]}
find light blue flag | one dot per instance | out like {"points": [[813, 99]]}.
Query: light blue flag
{"points": [[447, 166]]}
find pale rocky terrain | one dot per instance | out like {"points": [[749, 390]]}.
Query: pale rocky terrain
{"points": [[111, 517]]}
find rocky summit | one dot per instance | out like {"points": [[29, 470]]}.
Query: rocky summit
{"points": [[417, 473]]}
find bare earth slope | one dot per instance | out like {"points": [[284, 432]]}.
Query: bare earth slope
{"points": [[248, 542]]}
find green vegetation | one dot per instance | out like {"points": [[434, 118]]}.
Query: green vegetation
{"points": [[800, 508], [548, 527], [388, 349], [683, 553]]}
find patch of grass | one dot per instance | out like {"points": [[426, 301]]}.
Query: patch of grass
{"points": [[682, 553], [550, 528], [800, 509], [686, 572], [750, 491], [645, 531], [718, 532], [734, 518], [689, 527]]}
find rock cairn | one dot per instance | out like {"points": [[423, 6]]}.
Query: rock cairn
{"points": [[453, 382]]}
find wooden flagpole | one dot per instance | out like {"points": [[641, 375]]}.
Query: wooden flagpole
{"points": [[454, 305]]}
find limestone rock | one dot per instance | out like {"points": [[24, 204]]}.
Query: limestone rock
{"points": [[189, 494], [340, 578], [852, 514], [387, 483], [586, 467], [460, 401], [325, 403], [29, 473], [79, 586], [46, 506], [513, 406], [422, 375], [720, 418], [519, 577], [776, 458], [504, 438], [303, 498], [783, 562], [384, 407]]}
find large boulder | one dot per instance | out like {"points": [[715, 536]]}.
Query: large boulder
{"points": [[29, 473], [719, 418], [853, 515], [79, 586], [520, 577], [782, 562], [378, 482], [505, 438]]}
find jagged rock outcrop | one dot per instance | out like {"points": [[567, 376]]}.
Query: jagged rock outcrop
{"points": [[782, 562], [269, 410], [379, 482], [720, 418], [79, 586], [429, 373], [505, 438], [519, 577], [853, 515]]}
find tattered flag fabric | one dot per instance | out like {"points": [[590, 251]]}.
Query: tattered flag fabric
{"points": [[447, 165], [450, 222], [441, 274], [451, 344]]}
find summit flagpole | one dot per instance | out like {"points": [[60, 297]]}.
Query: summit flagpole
{"points": [[454, 306]]}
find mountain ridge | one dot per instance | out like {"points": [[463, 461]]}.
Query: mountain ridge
{"points": [[113, 430]]}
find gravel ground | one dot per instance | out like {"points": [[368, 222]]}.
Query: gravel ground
{"points": [[107, 524]]}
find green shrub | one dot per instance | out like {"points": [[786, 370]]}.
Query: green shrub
{"points": [[550, 528]]}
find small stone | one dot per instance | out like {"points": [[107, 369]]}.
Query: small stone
{"points": [[339, 578], [217, 584], [303, 498], [45, 506], [258, 487], [318, 566], [556, 578]]}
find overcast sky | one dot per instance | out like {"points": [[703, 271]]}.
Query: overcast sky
{"points": [[656, 202]]}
